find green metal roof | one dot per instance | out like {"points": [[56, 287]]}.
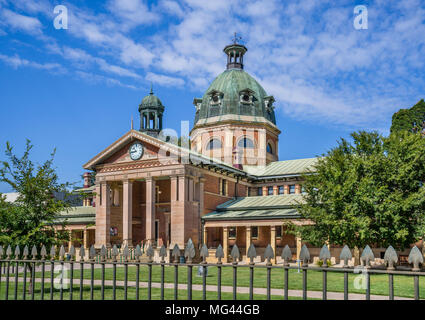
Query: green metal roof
{"points": [[151, 101], [280, 168], [253, 214], [86, 190], [77, 215], [259, 207], [259, 202]]}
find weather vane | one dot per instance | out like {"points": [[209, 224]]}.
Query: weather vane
{"points": [[236, 38]]}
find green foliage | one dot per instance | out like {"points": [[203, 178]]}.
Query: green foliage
{"points": [[409, 119], [367, 192], [29, 220], [320, 263]]}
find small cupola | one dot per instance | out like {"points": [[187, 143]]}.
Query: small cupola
{"points": [[235, 52], [151, 112]]}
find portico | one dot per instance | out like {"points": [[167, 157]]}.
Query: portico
{"points": [[156, 200]]}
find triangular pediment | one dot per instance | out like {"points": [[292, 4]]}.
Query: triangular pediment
{"points": [[156, 151], [118, 152]]}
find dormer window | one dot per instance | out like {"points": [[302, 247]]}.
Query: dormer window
{"points": [[215, 97], [246, 96]]}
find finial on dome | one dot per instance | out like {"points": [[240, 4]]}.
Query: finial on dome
{"points": [[236, 38], [151, 89]]}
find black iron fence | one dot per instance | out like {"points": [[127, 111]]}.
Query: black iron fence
{"points": [[20, 272]]}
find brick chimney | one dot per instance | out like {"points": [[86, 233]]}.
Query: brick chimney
{"points": [[87, 179]]}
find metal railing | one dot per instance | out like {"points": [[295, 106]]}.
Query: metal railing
{"points": [[21, 268]]}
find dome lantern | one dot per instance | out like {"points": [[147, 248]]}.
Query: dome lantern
{"points": [[235, 52], [151, 111]]}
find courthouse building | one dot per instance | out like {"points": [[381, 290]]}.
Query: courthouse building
{"points": [[227, 187]]}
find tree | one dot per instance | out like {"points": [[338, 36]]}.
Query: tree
{"points": [[369, 191], [29, 220], [412, 119]]}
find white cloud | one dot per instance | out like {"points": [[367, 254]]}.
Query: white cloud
{"points": [[307, 54], [20, 22], [132, 13], [17, 62], [96, 78], [164, 80]]}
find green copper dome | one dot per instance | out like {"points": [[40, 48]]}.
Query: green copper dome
{"points": [[234, 95], [235, 92], [150, 102]]}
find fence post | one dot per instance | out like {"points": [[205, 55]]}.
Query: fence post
{"points": [[219, 254], [324, 255], [286, 256], [345, 256], [235, 256], [189, 255], [204, 255], [416, 258], [150, 253], [176, 255], [251, 254], [162, 254], [304, 257], [269, 255]]}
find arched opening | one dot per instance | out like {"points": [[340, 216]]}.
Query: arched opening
{"points": [[246, 143], [213, 144], [269, 148]]}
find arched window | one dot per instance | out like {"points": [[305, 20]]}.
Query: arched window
{"points": [[214, 144], [269, 148], [246, 143]]}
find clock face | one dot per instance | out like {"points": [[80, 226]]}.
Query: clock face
{"points": [[136, 151]]}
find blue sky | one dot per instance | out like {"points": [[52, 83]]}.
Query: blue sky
{"points": [[77, 89]]}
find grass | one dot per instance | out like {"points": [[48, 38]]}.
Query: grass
{"points": [[403, 285], [108, 293]]}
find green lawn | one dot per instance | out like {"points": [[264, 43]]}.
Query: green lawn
{"points": [[403, 285], [108, 292]]}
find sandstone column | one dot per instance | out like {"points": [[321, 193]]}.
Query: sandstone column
{"points": [[299, 245], [273, 242], [248, 241], [70, 240], [85, 239], [103, 214], [205, 236], [225, 243], [178, 208], [150, 209], [127, 213]]}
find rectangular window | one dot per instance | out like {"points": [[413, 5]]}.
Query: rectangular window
{"points": [[279, 232], [270, 191], [232, 233], [260, 191], [223, 187], [248, 191], [254, 232], [292, 189], [281, 190]]}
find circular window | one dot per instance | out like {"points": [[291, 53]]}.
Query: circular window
{"points": [[215, 99], [245, 98]]}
